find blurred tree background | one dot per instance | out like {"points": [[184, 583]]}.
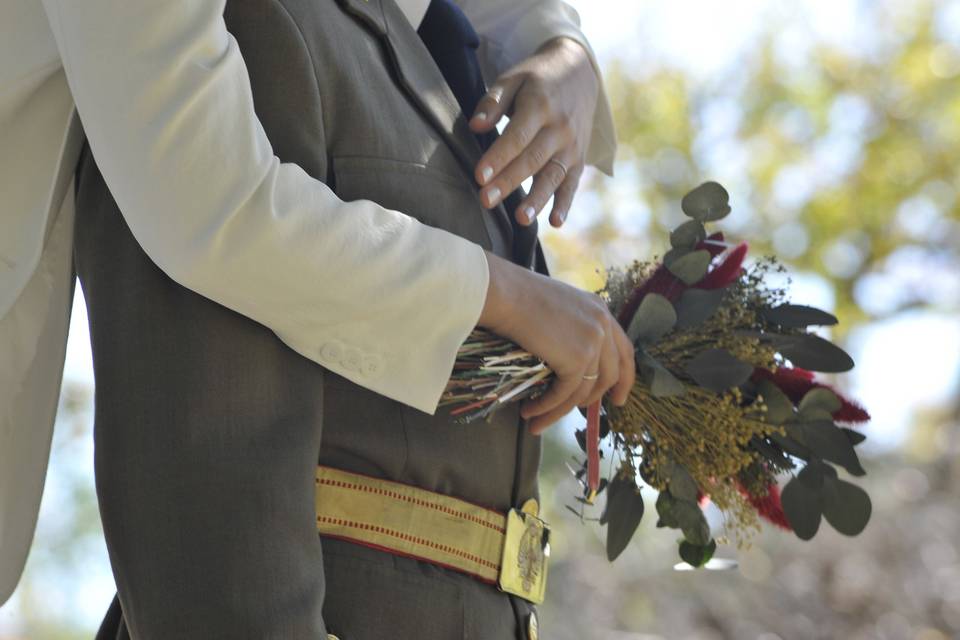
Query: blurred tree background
{"points": [[836, 129], [840, 154]]}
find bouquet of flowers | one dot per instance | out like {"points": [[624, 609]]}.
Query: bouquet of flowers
{"points": [[725, 401]]}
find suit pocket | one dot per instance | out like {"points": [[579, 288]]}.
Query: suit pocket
{"points": [[374, 599], [433, 196]]}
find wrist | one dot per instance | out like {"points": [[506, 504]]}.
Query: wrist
{"points": [[499, 301], [570, 46]]}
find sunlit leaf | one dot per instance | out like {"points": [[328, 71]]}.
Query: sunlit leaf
{"points": [[654, 317], [687, 235], [691, 267], [708, 202]]}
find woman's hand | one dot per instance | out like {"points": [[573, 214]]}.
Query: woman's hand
{"points": [[570, 329], [550, 98]]}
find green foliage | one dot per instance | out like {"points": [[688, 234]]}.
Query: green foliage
{"points": [[896, 117], [622, 514]]}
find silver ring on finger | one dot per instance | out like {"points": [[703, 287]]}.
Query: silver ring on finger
{"points": [[563, 167], [592, 376]]}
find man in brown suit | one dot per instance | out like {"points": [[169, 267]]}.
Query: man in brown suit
{"points": [[209, 428]]}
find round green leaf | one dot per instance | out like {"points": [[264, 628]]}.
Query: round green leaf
{"points": [[696, 305], [795, 316], [653, 319], [718, 370], [698, 531], [846, 506], [681, 484], [691, 267], [827, 441], [802, 506], [779, 406], [622, 514], [814, 472], [706, 203], [688, 235], [820, 398], [665, 384], [674, 254], [697, 555]]}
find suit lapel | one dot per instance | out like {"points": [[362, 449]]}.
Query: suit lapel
{"points": [[418, 75]]}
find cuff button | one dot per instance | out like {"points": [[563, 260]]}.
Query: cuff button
{"points": [[372, 365], [331, 351], [351, 359]]}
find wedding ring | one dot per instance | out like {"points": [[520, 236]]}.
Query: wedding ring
{"points": [[592, 377], [560, 164]]}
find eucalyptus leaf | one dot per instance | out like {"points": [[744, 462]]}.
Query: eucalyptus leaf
{"points": [[675, 254], [827, 441], [653, 319], [688, 235], [681, 484], [855, 437], [718, 370], [795, 316], [779, 406], [803, 508], [697, 531], [813, 414], [814, 473], [622, 514], [846, 506], [791, 446], [697, 555], [679, 514], [811, 352], [768, 451], [665, 384], [697, 305], [820, 398], [691, 267], [646, 363], [581, 437], [706, 203]]}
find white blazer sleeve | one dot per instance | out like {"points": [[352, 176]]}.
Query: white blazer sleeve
{"points": [[165, 100], [512, 30]]}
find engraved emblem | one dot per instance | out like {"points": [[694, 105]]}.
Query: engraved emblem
{"points": [[530, 557]]}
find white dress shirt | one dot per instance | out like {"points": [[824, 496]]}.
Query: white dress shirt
{"points": [[167, 109]]}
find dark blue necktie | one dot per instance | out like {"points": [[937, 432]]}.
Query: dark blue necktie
{"points": [[452, 42]]}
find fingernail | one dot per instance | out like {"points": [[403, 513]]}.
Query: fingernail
{"points": [[480, 116], [493, 196], [528, 213], [486, 173], [563, 217]]}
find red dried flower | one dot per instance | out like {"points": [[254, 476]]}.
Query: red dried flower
{"points": [[769, 506]]}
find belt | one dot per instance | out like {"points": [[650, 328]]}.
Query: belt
{"points": [[509, 550]]}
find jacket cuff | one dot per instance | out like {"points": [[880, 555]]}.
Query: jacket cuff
{"points": [[418, 339]]}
